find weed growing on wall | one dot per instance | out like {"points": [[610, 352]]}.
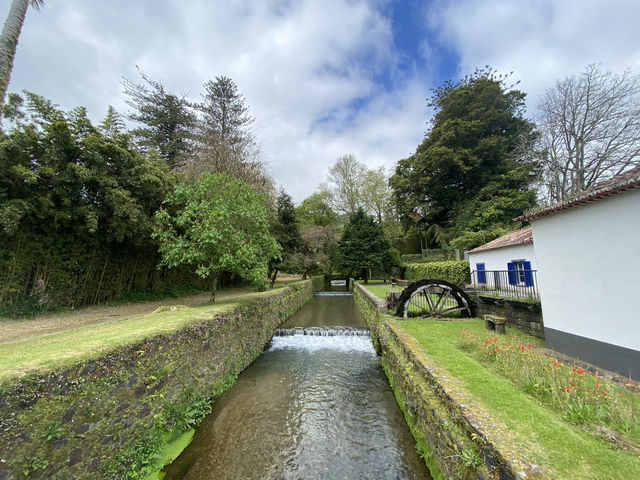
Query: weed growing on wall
{"points": [[584, 399]]}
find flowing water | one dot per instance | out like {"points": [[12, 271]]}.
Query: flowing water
{"points": [[315, 405]]}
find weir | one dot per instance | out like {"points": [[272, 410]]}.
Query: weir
{"points": [[333, 294], [315, 405], [322, 331]]}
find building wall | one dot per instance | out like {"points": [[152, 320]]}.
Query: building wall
{"points": [[498, 258], [589, 278]]}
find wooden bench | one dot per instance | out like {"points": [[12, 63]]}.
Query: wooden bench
{"points": [[495, 323]]}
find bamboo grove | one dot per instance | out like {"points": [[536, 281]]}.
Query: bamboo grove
{"points": [[76, 211]]}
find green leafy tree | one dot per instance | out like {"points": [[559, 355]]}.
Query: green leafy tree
{"points": [[466, 174], [217, 224], [166, 120], [76, 202], [343, 190], [287, 234], [9, 40], [363, 246], [315, 210], [376, 195]]}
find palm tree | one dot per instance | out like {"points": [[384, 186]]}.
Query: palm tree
{"points": [[9, 40]]}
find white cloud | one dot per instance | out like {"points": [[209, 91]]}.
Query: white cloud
{"points": [[301, 66], [540, 40]]}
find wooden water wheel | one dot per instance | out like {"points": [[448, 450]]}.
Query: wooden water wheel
{"points": [[434, 298]]}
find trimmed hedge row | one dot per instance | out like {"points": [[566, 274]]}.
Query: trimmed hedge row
{"points": [[454, 271]]}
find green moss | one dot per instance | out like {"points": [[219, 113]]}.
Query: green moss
{"points": [[422, 446], [170, 452], [113, 412]]}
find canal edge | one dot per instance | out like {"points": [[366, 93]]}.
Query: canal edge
{"points": [[444, 420], [106, 417]]}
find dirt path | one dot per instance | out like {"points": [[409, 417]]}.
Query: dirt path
{"points": [[23, 329]]}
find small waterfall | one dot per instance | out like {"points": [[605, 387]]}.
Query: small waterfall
{"points": [[312, 339], [323, 331], [333, 294]]}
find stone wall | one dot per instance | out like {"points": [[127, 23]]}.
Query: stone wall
{"points": [[456, 437], [110, 417], [522, 315]]}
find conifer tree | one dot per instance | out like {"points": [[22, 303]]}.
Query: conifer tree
{"points": [[166, 120], [363, 246], [287, 234]]}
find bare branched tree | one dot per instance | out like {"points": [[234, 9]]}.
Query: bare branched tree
{"points": [[345, 180], [589, 126]]}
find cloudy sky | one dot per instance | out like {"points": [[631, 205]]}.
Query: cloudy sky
{"points": [[321, 77]]}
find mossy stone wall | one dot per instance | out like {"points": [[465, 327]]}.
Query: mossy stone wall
{"points": [[452, 433], [110, 417], [522, 315]]}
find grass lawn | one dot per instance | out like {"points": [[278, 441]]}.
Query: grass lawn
{"points": [[559, 448], [54, 350], [379, 288]]}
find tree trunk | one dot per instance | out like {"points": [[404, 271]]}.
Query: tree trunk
{"points": [[273, 278], [9, 43], [214, 283]]}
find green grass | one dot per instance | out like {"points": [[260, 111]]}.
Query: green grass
{"points": [[559, 448], [66, 348], [380, 289]]}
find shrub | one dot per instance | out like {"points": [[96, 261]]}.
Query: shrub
{"points": [[454, 271]]}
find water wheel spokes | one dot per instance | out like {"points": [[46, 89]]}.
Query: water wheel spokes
{"points": [[434, 298]]}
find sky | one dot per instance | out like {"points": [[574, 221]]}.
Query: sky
{"points": [[322, 78]]}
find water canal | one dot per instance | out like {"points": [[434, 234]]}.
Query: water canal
{"points": [[314, 406]]}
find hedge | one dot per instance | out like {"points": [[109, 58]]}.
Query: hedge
{"points": [[454, 271]]}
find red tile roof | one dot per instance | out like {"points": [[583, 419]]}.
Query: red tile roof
{"points": [[517, 237], [620, 183]]}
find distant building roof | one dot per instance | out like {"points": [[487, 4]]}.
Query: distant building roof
{"points": [[511, 239], [620, 183]]}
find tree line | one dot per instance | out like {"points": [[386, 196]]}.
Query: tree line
{"points": [[88, 212], [181, 201], [483, 163]]}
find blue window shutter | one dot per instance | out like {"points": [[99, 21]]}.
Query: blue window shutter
{"points": [[482, 276], [512, 274], [528, 275]]}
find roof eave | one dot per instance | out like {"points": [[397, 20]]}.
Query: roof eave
{"points": [[597, 195]]}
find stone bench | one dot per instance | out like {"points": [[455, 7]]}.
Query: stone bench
{"points": [[495, 323]]}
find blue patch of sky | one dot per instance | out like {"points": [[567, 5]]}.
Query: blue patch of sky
{"points": [[418, 52]]}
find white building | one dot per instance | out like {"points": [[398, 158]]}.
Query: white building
{"points": [[506, 266], [588, 260]]}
